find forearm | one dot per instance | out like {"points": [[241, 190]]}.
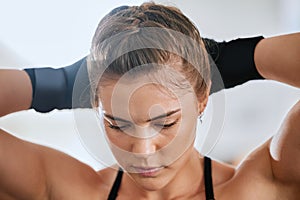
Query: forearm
{"points": [[53, 88], [234, 61], [15, 92], [278, 58]]}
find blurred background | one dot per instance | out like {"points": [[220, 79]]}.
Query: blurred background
{"points": [[58, 32]]}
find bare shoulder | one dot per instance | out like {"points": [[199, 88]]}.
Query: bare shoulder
{"points": [[107, 177], [76, 179], [251, 177], [45, 173], [67, 177], [257, 163], [221, 172], [265, 172]]}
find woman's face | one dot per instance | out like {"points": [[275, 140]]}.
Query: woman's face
{"points": [[150, 132]]}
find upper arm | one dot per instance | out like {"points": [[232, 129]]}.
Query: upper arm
{"points": [[285, 148], [22, 173], [277, 58], [33, 171], [15, 91]]}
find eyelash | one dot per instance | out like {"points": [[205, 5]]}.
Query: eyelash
{"points": [[116, 127], [164, 126]]}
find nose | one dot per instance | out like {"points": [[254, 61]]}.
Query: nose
{"points": [[143, 142], [143, 146]]}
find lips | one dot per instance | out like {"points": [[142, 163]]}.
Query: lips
{"points": [[147, 171]]}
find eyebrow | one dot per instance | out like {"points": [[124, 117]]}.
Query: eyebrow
{"points": [[152, 119]]}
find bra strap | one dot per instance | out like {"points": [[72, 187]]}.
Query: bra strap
{"points": [[115, 188], [209, 191]]}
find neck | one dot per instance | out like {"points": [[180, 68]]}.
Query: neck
{"points": [[186, 183]]}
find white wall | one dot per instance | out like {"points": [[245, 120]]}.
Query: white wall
{"points": [[58, 32]]}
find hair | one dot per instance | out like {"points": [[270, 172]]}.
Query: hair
{"points": [[130, 37]]}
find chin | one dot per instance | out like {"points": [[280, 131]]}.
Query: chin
{"points": [[149, 183]]}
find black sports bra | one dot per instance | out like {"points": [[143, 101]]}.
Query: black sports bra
{"points": [[209, 191]]}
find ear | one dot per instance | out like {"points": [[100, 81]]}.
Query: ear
{"points": [[202, 102], [95, 101]]}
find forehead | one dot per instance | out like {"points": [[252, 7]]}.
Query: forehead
{"points": [[136, 95], [141, 98]]}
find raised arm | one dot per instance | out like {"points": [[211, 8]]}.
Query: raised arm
{"points": [[278, 58], [22, 170], [238, 61], [285, 149], [15, 91], [31, 171], [234, 60]]}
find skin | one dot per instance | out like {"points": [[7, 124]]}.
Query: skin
{"points": [[16, 91], [277, 58], [164, 144], [270, 172]]}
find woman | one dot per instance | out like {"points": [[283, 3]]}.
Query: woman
{"points": [[149, 93]]}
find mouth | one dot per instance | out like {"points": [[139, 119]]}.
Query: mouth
{"points": [[147, 171]]}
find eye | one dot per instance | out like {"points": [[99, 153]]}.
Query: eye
{"points": [[119, 128], [166, 126]]}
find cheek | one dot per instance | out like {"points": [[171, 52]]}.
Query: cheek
{"points": [[118, 138], [181, 141], [179, 132]]}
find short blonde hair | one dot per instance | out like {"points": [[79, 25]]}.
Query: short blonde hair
{"points": [[137, 26]]}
